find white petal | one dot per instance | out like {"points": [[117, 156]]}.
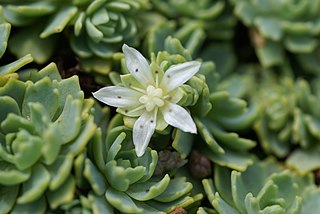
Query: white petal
{"points": [[178, 117], [143, 130], [176, 75], [134, 111], [138, 66], [117, 96]]}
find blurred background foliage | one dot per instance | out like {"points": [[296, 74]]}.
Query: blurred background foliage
{"points": [[255, 102]]}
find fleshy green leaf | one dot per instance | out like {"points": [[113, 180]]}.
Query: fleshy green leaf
{"points": [[122, 201], [59, 21], [149, 189]]}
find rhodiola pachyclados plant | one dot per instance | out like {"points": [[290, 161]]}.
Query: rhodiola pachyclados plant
{"points": [[150, 94], [264, 187], [45, 122], [290, 120], [209, 18], [217, 126], [119, 181], [42, 131], [277, 27], [95, 29]]}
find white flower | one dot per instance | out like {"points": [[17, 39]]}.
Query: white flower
{"points": [[151, 96]]}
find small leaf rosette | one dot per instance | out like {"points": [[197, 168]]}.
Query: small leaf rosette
{"points": [[105, 25], [119, 181], [45, 124], [150, 95], [263, 188], [232, 114], [279, 26], [38, 24], [211, 19], [207, 97], [95, 29], [290, 119]]}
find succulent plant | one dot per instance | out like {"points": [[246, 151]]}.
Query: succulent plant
{"points": [[150, 95], [230, 115], [104, 25], [221, 53], [34, 158], [208, 18], [120, 181], [96, 29], [216, 125], [290, 120], [212, 109], [279, 26], [263, 188], [47, 18], [187, 94], [45, 122]]}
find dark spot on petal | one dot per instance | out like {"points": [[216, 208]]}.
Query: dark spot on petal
{"points": [[168, 76], [119, 97], [157, 72], [170, 110], [130, 84], [151, 121], [126, 111], [137, 70], [141, 126]]}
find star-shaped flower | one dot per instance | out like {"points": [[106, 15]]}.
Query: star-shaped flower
{"points": [[150, 96]]}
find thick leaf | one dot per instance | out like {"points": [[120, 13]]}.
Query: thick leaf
{"points": [[127, 175], [44, 93], [63, 195], [70, 119], [270, 54], [269, 28], [8, 196], [10, 175], [16, 65], [35, 187], [32, 9], [27, 41], [7, 105], [78, 145], [304, 160], [59, 21], [100, 204], [182, 142], [60, 171], [122, 201], [149, 189], [177, 188], [95, 178], [5, 31], [37, 207]]}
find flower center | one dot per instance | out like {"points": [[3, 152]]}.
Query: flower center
{"points": [[153, 98]]}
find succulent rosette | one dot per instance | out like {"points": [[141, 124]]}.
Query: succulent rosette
{"points": [[204, 18], [264, 187], [290, 120], [42, 130], [280, 26], [206, 95], [119, 181], [95, 29], [105, 25]]}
